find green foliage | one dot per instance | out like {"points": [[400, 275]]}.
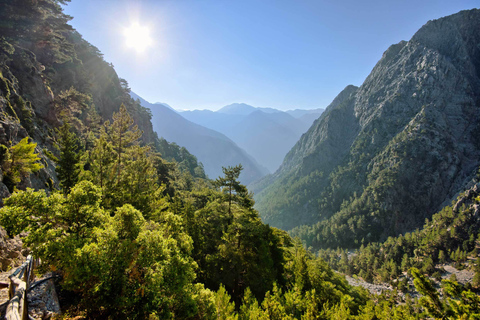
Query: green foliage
{"points": [[186, 161], [225, 309], [145, 235], [448, 232], [68, 165], [232, 246], [456, 301], [233, 190], [54, 223], [19, 161], [117, 263], [125, 171], [25, 112]]}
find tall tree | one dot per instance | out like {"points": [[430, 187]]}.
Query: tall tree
{"points": [[233, 189], [123, 134], [68, 167], [100, 161]]}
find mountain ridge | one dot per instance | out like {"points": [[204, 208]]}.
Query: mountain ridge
{"points": [[212, 148], [247, 126], [409, 129]]}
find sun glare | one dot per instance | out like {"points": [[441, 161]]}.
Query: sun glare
{"points": [[138, 37]]}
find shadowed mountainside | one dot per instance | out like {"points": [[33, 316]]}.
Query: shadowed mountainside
{"points": [[390, 153]]}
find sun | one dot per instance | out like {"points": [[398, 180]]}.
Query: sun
{"points": [[138, 37]]}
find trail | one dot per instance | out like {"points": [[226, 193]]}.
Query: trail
{"points": [[4, 292]]}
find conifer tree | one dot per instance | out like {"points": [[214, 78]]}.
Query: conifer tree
{"points": [[101, 160], [430, 299], [18, 162], [123, 134], [68, 167], [233, 189]]}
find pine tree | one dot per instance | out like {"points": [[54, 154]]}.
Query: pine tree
{"points": [[19, 161], [441, 256], [430, 300], [233, 189], [123, 134], [68, 167], [225, 309]]}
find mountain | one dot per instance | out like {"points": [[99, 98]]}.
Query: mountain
{"points": [[244, 109], [265, 133], [50, 75], [387, 155], [301, 113], [237, 109], [160, 103], [212, 148], [267, 136]]}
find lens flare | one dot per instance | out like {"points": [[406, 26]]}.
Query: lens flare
{"points": [[138, 37]]}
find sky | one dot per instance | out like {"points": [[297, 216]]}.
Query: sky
{"points": [[284, 54]]}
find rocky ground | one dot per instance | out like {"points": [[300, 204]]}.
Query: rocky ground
{"points": [[373, 288], [12, 253], [4, 292], [463, 276], [42, 299]]}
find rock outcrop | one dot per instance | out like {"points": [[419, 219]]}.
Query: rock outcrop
{"points": [[50, 75], [389, 154], [12, 253]]}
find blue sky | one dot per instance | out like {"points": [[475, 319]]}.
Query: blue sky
{"points": [[267, 53]]}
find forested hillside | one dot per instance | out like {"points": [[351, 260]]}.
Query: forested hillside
{"points": [[387, 155], [129, 222], [50, 76]]}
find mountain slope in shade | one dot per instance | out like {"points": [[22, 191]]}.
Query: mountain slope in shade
{"points": [[265, 133], [305, 113], [267, 137], [387, 155], [212, 148]]}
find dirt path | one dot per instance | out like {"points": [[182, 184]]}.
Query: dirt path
{"points": [[4, 292]]}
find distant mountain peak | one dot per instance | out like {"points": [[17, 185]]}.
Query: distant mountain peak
{"points": [[237, 108], [212, 148], [165, 105], [143, 101]]}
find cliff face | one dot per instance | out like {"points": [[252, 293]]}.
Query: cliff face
{"points": [[49, 73], [385, 156]]}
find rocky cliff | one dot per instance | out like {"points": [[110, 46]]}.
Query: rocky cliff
{"points": [[49, 75], [390, 153]]}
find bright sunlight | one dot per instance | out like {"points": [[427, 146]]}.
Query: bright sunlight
{"points": [[138, 37]]}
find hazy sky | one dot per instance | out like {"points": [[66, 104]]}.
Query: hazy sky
{"points": [[288, 54]]}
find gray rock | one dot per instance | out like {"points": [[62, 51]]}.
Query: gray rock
{"points": [[406, 141]]}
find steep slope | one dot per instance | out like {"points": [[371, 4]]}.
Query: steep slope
{"points": [[265, 133], [212, 148], [309, 118], [384, 157], [267, 137], [50, 75], [299, 113], [221, 122]]}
